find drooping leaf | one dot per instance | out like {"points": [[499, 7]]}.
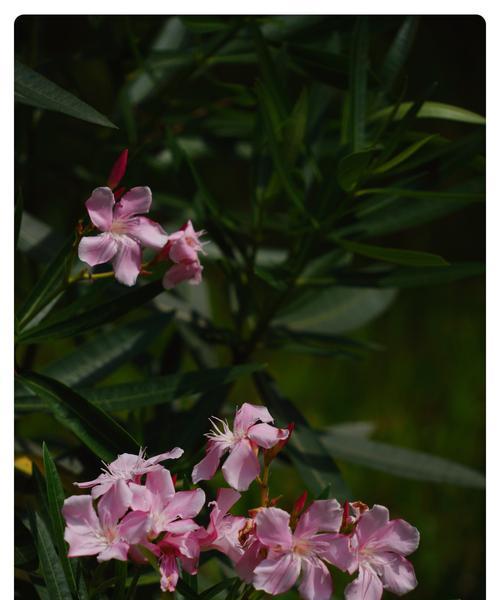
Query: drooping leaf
{"points": [[92, 318], [399, 461], [304, 448], [50, 564], [434, 110], [98, 357], [96, 429], [36, 90], [409, 258], [403, 155], [151, 392], [336, 309]]}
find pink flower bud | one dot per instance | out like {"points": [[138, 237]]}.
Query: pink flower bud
{"points": [[118, 170]]}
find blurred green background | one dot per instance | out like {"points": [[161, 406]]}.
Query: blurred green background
{"points": [[424, 389]]}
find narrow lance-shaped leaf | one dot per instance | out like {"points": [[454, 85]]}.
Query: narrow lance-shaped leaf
{"points": [[409, 258], [151, 392], [93, 317], [50, 564], [403, 155], [403, 462], [433, 110], [97, 430], [358, 83], [55, 500], [398, 52], [36, 90], [305, 448]]}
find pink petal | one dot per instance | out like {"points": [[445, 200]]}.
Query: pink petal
{"points": [[370, 521], [100, 208], [190, 272], [398, 575], [83, 543], [136, 201], [182, 251], [98, 249], [102, 488], [169, 573], [79, 513], [277, 573], [266, 436], [336, 549], [160, 482], [147, 232], [245, 566], [366, 586], [272, 528], [127, 262], [316, 580], [396, 536], [114, 503], [154, 460], [182, 526], [226, 498], [207, 467], [142, 498], [117, 550], [135, 526], [241, 467], [248, 414], [118, 170], [322, 515], [184, 505]]}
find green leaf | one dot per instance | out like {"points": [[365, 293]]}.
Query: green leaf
{"points": [[399, 50], [98, 357], [50, 564], [55, 500], [433, 110], [97, 430], [352, 168], [403, 155], [151, 392], [402, 462], [335, 309], [217, 588], [47, 287], [36, 90], [274, 136], [410, 258], [92, 318], [304, 448], [405, 193], [358, 83]]}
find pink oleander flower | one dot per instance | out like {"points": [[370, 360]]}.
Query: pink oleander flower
{"points": [[127, 467], [305, 550], [182, 248], [379, 547], [222, 532], [242, 466], [124, 232], [88, 533], [164, 509]]}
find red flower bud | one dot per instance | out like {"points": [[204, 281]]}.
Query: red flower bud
{"points": [[118, 170]]}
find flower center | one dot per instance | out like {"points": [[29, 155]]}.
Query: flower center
{"points": [[301, 547], [119, 227]]}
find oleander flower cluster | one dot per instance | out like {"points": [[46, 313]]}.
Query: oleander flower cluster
{"points": [[125, 231], [134, 512]]}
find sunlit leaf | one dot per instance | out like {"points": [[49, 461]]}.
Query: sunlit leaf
{"points": [[434, 110]]}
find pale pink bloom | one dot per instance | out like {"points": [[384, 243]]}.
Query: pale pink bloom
{"points": [[248, 435], [88, 533], [173, 548], [182, 249], [127, 467], [314, 541], [124, 232], [379, 547], [165, 509], [189, 271], [223, 529]]}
